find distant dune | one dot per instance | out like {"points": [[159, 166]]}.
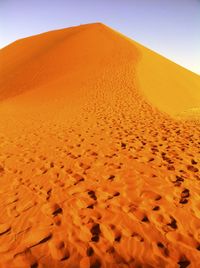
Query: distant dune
{"points": [[99, 154]]}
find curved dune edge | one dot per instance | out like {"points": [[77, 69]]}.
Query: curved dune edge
{"points": [[91, 174], [169, 87], [166, 85]]}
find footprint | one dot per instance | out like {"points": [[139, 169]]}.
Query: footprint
{"points": [[173, 223], [2, 170], [95, 231], [183, 262], [92, 195], [164, 250], [90, 251], [192, 168], [52, 209], [58, 250]]}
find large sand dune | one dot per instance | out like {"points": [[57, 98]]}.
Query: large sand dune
{"points": [[99, 154]]}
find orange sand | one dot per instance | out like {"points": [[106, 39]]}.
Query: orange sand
{"points": [[99, 154]]}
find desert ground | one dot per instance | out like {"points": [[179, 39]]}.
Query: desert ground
{"points": [[99, 154]]}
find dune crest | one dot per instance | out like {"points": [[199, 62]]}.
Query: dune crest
{"points": [[95, 168]]}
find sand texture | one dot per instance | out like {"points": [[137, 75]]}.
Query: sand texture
{"points": [[99, 154]]}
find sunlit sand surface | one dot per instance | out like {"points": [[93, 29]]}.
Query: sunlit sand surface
{"points": [[99, 154]]}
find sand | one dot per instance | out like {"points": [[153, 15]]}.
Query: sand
{"points": [[99, 154]]}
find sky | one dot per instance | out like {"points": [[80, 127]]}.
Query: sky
{"points": [[169, 27]]}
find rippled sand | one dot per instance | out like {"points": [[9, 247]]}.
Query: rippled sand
{"points": [[99, 154]]}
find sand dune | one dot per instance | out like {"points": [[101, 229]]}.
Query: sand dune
{"points": [[99, 154]]}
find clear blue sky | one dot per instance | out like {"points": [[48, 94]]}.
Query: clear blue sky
{"points": [[170, 27]]}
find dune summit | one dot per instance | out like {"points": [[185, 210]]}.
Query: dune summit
{"points": [[99, 154]]}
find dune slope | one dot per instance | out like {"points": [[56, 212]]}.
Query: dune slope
{"points": [[99, 162]]}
